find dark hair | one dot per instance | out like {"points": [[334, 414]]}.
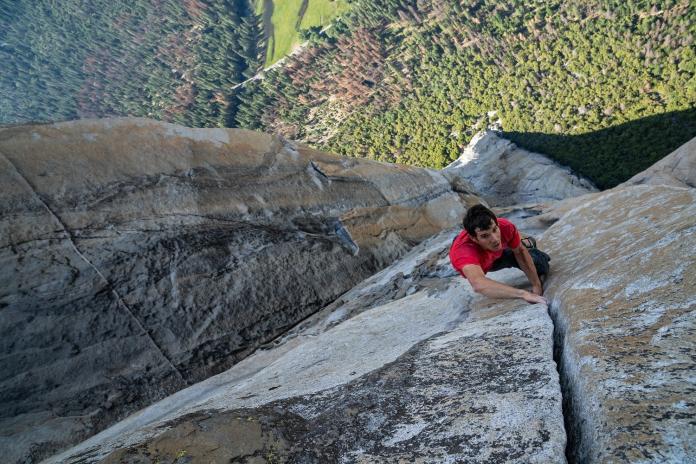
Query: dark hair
{"points": [[478, 217]]}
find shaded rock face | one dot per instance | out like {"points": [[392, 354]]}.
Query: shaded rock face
{"points": [[409, 366], [504, 175], [623, 291], [678, 169], [139, 257]]}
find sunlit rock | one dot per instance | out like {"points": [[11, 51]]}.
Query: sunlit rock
{"points": [[623, 289], [504, 175]]}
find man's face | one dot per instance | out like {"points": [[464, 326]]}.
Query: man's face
{"points": [[488, 239]]}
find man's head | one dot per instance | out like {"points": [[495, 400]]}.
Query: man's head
{"points": [[482, 227]]}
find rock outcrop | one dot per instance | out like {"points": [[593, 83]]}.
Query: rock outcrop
{"points": [[678, 169], [623, 291], [408, 366], [504, 174], [140, 257]]}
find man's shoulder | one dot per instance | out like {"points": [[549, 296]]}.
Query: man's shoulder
{"points": [[462, 244], [509, 232], [462, 239], [463, 251]]}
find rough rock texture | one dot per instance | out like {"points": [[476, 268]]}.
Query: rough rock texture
{"points": [[160, 233], [138, 257], [623, 296], [410, 366], [623, 288], [677, 169], [504, 175]]}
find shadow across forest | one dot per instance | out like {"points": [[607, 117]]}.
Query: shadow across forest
{"points": [[615, 154]]}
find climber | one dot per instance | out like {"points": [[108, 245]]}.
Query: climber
{"points": [[489, 244]]}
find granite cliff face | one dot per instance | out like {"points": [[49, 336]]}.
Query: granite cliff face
{"points": [[623, 294], [408, 365], [139, 257], [411, 365]]}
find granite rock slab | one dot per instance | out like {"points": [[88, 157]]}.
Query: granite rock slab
{"points": [[623, 289], [411, 366]]}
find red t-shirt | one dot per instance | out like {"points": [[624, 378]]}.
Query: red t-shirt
{"points": [[464, 251]]}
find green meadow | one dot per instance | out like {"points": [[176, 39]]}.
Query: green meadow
{"points": [[287, 18]]}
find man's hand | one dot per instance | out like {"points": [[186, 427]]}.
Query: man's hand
{"points": [[537, 290], [492, 289], [530, 297]]}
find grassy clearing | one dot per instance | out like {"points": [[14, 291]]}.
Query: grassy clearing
{"points": [[321, 12], [284, 19], [284, 35]]}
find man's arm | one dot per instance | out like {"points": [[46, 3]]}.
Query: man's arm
{"points": [[493, 289], [524, 259]]}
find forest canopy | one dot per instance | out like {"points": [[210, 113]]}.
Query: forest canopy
{"points": [[607, 87], [169, 60]]}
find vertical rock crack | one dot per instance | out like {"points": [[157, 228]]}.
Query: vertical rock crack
{"points": [[571, 421]]}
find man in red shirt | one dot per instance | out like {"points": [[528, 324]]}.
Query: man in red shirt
{"points": [[488, 244]]}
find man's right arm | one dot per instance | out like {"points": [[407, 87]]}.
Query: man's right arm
{"points": [[493, 289]]}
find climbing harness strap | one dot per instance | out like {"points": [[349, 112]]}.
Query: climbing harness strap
{"points": [[529, 243]]}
